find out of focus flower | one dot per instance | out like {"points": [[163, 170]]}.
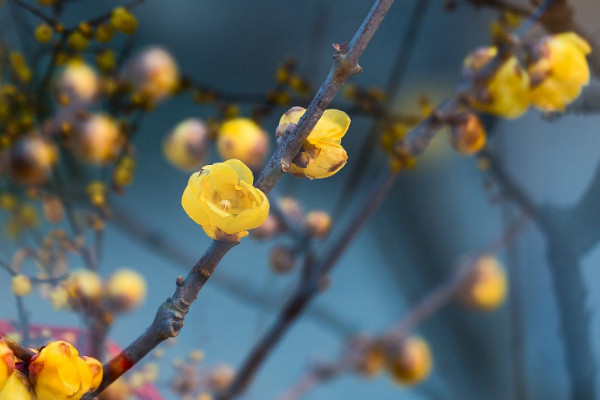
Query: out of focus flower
{"points": [[58, 373], [21, 285], [485, 287], [366, 356], [506, 93], [243, 139], [77, 82], [317, 223], [124, 171], [18, 387], [7, 364], [222, 200], [282, 259], [104, 33], [409, 360], [125, 290], [221, 377], [186, 146], [53, 209], [467, 134], [559, 70], [322, 154], [153, 74], [20, 67], [84, 284], [97, 193], [98, 140], [31, 159], [267, 229], [123, 20], [43, 33], [119, 390]]}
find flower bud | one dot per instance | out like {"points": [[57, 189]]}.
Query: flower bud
{"points": [[31, 159], [291, 207], [485, 286], [186, 146], [125, 290], [221, 377], [282, 259], [98, 140], [317, 223], [43, 33], [152, 73], [268, 228], [123, 20], [467, 134], [408, 361], [78, 82], [84, 285], [243, 139], [57, 373], [104, 33], [18, 387], [21, 285], [7, 364], [366, 356]]}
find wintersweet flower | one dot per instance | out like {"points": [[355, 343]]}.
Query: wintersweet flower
{"points": [[222, 200], [7, 364], [243, 139], [186, 146], [409, 361], [96, 370], [485, 287], [21, 285], [18, 387], [506, 93], [559, 70], [322, 154], [78, 81], [58, 373], [153, 74], [125, 290]]}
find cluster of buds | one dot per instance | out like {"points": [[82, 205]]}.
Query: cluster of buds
{"points": [[84, 291], [553, 77], [23, 216], [193, 381], [407, 360], [55, 372]]}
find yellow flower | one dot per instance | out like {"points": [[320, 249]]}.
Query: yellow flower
{"points": [[506, 94], [186, 146], [485, 287], [7, 364], [322, 154], [43, 33], [17, 387], [559, 71], [123, 20], [222, 200], [96, 370], [153, 74], [125, 290], [98, 140], [31, 159], [243, 139], [21, 285], [79, 81], [58, 373], [84, 284], [409, 361]]}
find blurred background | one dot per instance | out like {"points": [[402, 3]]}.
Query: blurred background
{"points": [[435, 214]]}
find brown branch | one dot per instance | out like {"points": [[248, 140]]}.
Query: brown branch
{"points": [[316, 376], [170, 316], [22, 353]]}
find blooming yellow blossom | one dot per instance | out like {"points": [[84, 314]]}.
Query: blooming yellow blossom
{"points": [[506, 93], [186, 146], [222, 200], [559, 71], [21, 285], [485, 287], [322, 154], [58, 373], [243, 139], [18, 387], [7, 364], [409, 361], [125, 290]]}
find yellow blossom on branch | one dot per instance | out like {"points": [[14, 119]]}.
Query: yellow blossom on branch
{"points": [[222, 200], [322, 154], [506, 93], [58, 373], [409, 361], [559, 71], [7, 364], [486, 286], [18, 387]]}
